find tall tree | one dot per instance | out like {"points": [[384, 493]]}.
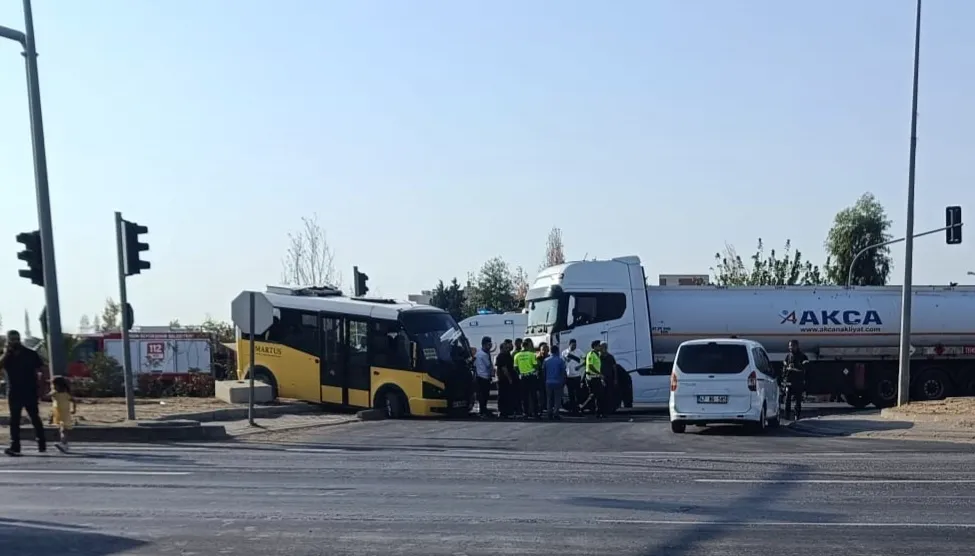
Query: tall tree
{"points": [[450, 298], [84, 325], [765, 269], [554, 248], [310, 260], [174, 323], [110, 316], [856, 228], [492, 288], [223, 331]]}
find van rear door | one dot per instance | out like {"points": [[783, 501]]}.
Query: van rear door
{"points": [[713, 378]]}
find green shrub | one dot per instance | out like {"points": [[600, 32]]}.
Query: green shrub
{"points": [[107, 377]]}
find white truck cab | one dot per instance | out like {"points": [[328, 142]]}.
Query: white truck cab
{"points": [[602, 301]]}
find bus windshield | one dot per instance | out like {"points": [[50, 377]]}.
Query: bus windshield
{"points": [[438, 338]]}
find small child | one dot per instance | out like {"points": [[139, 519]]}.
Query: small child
{"points": [[61, 398]]}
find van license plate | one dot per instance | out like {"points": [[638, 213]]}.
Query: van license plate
{"points": [[712, 399]]}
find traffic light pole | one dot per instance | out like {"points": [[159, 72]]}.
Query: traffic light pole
{"points": [[126, 325], [55, 345]]}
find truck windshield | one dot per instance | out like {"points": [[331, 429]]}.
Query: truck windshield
{"points": [[543, 312], [438, 338]]}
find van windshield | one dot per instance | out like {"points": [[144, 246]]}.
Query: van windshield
{"points": [[713, 358]]}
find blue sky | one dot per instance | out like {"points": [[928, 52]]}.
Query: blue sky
{"points": [[432, 135]]}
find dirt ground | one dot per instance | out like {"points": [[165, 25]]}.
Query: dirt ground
{"points": [[954, 411], [112, 410]]}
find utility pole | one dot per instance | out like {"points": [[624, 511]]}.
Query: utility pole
{"points": [[26, 39], [904, 355]]}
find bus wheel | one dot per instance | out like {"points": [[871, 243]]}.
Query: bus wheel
{"points": [[391, 402], [263, 374]]}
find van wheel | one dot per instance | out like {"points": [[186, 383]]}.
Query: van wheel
{"points": [[761, 424], [677, 427]]}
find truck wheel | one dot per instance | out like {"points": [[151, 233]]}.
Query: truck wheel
{"points": [[884, 392], [931, 385], [858, 400]]}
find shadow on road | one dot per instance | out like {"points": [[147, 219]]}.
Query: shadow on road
{"points": [[38, 538], [847, 427]]}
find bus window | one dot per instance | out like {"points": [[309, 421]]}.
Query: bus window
{"points": [[297, 330], [388, 346]]}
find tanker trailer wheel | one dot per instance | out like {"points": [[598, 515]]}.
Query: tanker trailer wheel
{"points": [[883, 393], [857, 400], [932, 384]]}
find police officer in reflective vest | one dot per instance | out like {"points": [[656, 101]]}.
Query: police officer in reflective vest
{"points": [[527, 366], [594, 379]]}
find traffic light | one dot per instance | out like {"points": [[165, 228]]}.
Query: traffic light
{"points": [[32, 256], [360, 282], [953, 221], [133, 248]]}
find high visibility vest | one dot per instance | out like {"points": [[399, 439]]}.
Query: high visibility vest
{"points": [[593, 364], [525, 362]]}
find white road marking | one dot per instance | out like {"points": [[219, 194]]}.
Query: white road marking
{"points": [[92, 472], [840, 481], [315, 450], [786, 523]]}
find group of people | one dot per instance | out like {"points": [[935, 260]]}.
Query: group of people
{"points": [[22, 368], [531, 380]]}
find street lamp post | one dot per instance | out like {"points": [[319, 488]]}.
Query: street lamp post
{"points": [[904, 356], [54, 344]]}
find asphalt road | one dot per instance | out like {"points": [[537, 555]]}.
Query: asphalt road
{"points": [[449, 488]]}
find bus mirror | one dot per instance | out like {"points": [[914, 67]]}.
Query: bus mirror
{"points": [[413, 354]]}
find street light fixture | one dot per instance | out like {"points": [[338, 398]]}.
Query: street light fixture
{"points": [[55, 346]]}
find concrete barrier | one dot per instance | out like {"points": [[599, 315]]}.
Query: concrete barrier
{"points": [[371, 415]]}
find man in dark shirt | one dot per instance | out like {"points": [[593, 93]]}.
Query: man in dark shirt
{"points": [[795, 378], [504, 363], [21, 366], [608, 366]]}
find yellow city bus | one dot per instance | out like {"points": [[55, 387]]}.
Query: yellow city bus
{"points": [[323, 347]]}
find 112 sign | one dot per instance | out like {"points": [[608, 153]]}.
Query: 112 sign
{"points": [[156, 350]]}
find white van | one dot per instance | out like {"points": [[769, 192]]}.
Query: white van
{"points": [[723, 380], [499, 326]]}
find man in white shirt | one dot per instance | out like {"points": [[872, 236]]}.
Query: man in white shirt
{"points": [[484, 369], [575, 366]]}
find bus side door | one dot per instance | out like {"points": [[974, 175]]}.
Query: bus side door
{"points": [[333, 360]]}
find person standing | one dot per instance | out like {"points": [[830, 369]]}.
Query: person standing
{"points": [[594, 379], [504, 365], [795, 379], [554, 367], [63, 406], [485, 372], [540, 356], [22, 366], [527, 366], [574, 367], [607, 364]]}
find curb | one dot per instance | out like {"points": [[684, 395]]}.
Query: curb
{"points": [[257, 430], [227, 414], [949, 419], [240, 413], [136, 433]]}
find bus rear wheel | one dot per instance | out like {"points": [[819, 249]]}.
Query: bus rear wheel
{"points": [[263, 374]]}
